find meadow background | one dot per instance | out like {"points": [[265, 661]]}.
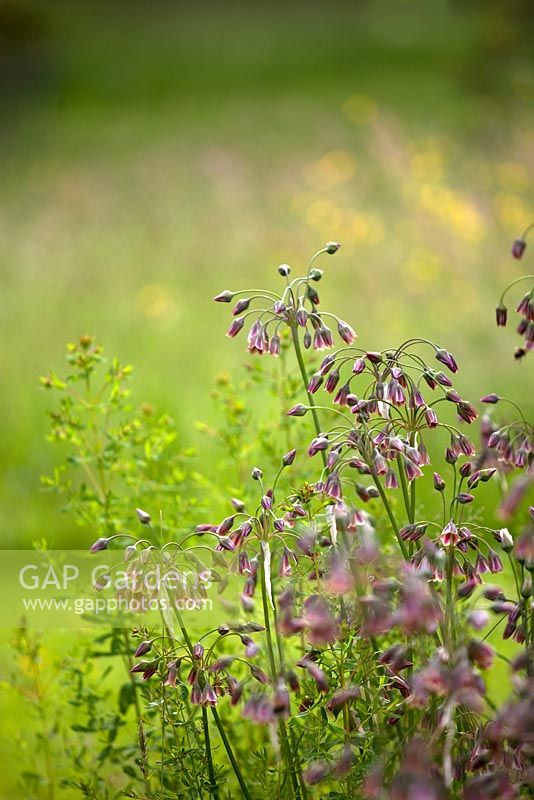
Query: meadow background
{"points": [[152, 154]]}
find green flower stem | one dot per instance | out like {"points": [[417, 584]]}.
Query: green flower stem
{"points": [[391, 516], [272, 663], [214, 791], [450, 624], [404, 486], [302, 367], [230, 754], [227, 745]]}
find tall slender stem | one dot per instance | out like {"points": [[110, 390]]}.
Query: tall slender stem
{"points": [[214, 791], [391, 516], [230, 754], [286, 750], [227, 745], [302, 367]]}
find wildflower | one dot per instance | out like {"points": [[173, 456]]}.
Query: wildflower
{"points": [[501, 315], [480, 653], [347, 333], [144, 516], [464, 497], [342, 697], [100, 544], [332, 247], [332, 381], [143, 648], [208, 696], [170, 680], [519, 246], [297, 411], [524, 548], [225, 297], [235, 326], [258, 674], [439, 483], [317, 444], [448, 359], [315, 672], [317, 772], [315, 382], [288, 459]]}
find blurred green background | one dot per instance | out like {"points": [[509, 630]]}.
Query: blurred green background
{"points": [[154, 153]]}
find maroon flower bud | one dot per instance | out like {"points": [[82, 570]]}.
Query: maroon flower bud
{"points": [[431, 417], [235, 327], [266, 502], [297, 411], [100, 544], [518, 247], [467, 411], [257, 474], [288, 459], [274, 345], [315, 381], [143, 516], [198, 651], [359, 366], [307, 340], [332, 381], [466, 589], [302, 317], [439, 483], [226, 525], [451, 457], [317, 444], [241, 306], [478, 619], [148, 668], [317, 772], [225, 297], [480, 653], [453, 396], [524, 548], [143, 647], [196, 694], [332, 247], [327, 363], [449, 534], [170, 680], [501, 315], [374, 357], [244, 565], [464, 498], [491, 399], [226, 543], [442, 379], [493, 593], [312, 295], [346, 332], [221, 663], [448, 359], [209, 696], [259, 674]]}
